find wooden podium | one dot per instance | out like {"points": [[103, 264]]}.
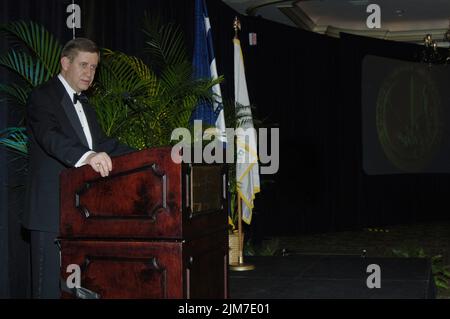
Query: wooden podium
{"points": [[151, 229]]}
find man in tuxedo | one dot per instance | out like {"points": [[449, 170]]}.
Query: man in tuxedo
{"points": [[63, 132]]}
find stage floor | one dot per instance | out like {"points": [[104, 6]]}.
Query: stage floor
{"points": [[332, 277]]}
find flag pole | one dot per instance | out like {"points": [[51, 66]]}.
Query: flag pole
{"points": [[240, 266], [241, 248]]}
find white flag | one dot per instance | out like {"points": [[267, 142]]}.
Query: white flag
{"points": [[247, 169]]}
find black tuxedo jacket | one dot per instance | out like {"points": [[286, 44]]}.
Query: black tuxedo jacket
{"points": [[56, 141]]}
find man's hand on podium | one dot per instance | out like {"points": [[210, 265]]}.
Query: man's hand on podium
{"points": [[100, 162]]}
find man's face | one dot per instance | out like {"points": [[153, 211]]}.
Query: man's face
{"points": [[80, 72]]}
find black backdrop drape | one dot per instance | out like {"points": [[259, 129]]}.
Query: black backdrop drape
{"points": [[309, 84], [113, 24], [4, 291], [384, 199]]}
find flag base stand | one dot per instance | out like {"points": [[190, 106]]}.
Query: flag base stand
{"points": [[242, 267]]}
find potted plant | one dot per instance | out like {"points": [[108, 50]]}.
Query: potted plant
{"points": [[34, 60], [139, 104], [142, 104]]}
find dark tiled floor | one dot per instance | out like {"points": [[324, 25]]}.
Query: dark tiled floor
{"points": [[432, 238], [332, 277]]}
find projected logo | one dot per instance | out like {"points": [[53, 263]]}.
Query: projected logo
{"points": [[409, 118]]}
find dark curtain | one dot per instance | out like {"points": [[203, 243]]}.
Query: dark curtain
{"points": [[113, 24], [4, 290], [311, 86], [307, 84], [383, 199], [293, 78]]}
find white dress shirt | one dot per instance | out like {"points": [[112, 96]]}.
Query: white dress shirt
{"points": [[82, 118]]}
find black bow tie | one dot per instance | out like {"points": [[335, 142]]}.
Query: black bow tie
{"points": [[80, 97]]}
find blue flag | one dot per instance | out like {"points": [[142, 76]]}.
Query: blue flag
{"points": [[205, 68]]}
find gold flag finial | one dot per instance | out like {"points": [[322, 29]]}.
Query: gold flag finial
{"points": [[236, 26]]}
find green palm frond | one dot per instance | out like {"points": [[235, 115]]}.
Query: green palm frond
{"points": [[182, 118], [179, 84], [165, 43], [15, 93], [110, 112], [177, 76], [127, 74], [35, 59], [39, 41], [125, 89], [31, 70], [159, 97], [15, 139]]}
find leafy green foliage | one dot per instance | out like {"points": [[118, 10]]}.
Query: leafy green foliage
{"points": [[266, 248], [32, 71], [441, 272], [15, 139], [34, 59], [41, 44], [14, 93], [142, 104], [138, 103], [164, 43]]}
